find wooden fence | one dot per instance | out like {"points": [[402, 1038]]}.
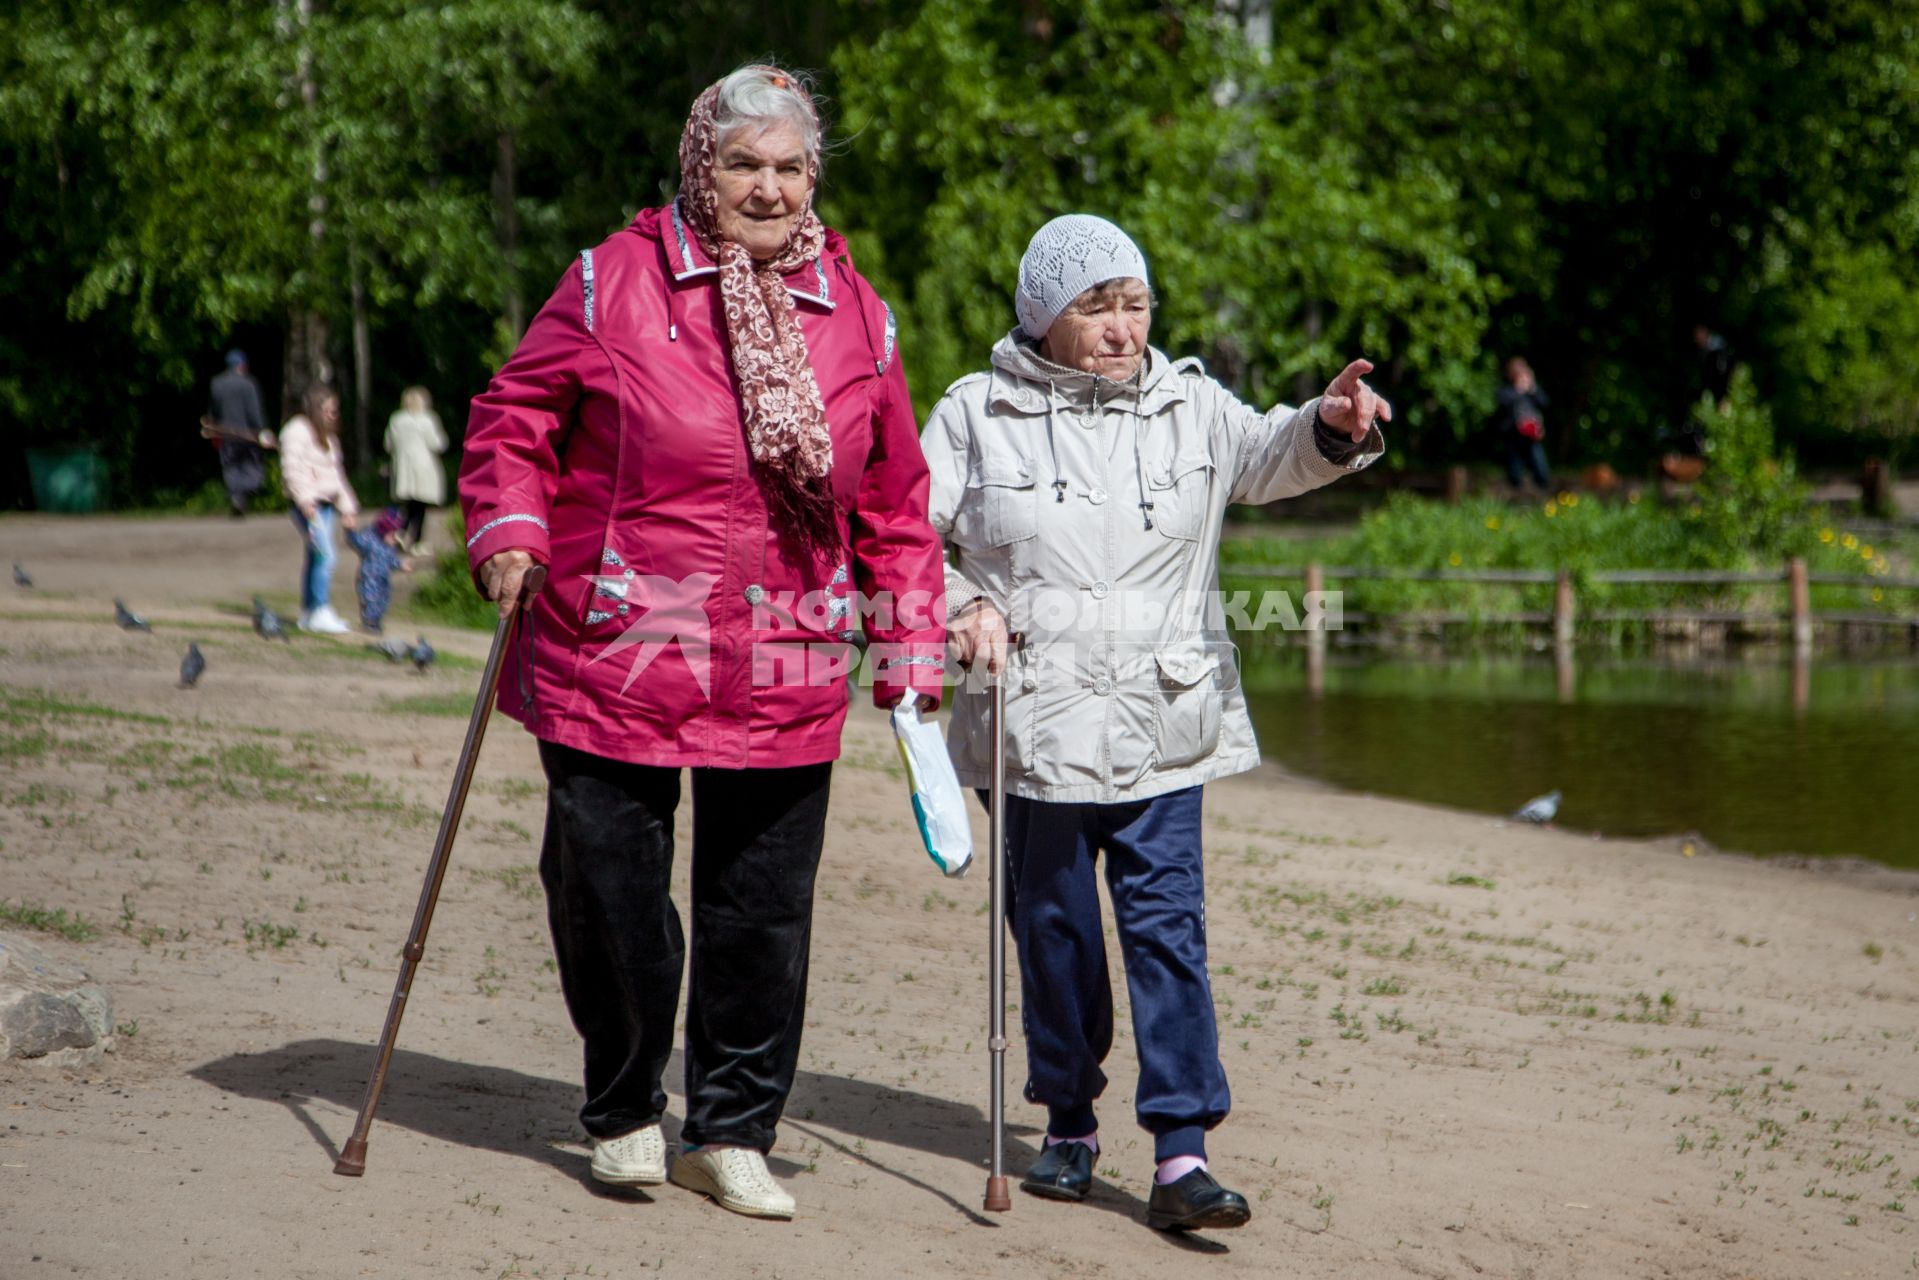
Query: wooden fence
{"points": [[1800, 617]]}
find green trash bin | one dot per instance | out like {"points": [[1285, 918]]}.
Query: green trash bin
{"points": [[66, 480]]}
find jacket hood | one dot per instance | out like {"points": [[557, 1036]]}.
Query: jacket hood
{"points": [[1025, 382], [685, 260]]}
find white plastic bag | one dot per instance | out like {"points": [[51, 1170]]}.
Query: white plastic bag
{"points": [[938, 803]]}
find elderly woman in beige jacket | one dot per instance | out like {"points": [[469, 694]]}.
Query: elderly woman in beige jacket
{"points": [[1081, 484]]}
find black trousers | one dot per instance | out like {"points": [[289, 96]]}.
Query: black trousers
{"points": [[607, 865], [415, 521]]}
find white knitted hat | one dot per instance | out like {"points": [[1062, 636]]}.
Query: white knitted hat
{"points": [[1068, 256]]}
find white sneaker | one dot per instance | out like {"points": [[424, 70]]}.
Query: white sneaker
{"points": [[737, 1177], [636, 1159], [325, 621]]}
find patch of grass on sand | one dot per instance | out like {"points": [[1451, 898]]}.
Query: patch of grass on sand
{"points": [[16, 705], [458, 704], [73, 927]]}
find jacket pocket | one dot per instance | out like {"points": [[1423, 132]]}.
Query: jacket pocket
{"points": [[1189, 704], [1180, 491], [1009, 498]]}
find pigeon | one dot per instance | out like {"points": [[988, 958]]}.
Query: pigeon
{"points": [[267, 622], [191, 666], [422, 655], [128, 619], [1541, 810], [20, 578], [395, 650]]}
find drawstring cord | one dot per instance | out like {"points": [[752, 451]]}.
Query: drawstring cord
{"points": [[1059, 481], [1139, 465]]}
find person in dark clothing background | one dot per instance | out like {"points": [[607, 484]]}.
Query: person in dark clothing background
{"points": [[1715, 364], [1714, 379], [1520, 419], [233, 406]]}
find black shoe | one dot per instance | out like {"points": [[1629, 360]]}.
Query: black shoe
{"points": [[1063, 1171], [1193, 1202]]}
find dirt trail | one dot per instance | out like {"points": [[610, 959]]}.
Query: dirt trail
{"points": [[1457, 1048]]}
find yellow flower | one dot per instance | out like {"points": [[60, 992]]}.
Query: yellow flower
{"points": [[1849, 542], [1865, 552], [1492, 522], [1552, 508], [1877, 595], [1568, 499], [1454, 560], [1825, 535]]}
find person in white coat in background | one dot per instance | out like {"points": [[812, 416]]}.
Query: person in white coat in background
{"points": [[1080, 484], [414, 441]]}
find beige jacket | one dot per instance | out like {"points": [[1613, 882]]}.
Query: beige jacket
{"points": [[415, 442], [1089, 512]]}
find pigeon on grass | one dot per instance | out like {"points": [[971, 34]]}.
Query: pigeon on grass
{"points": [[267, 623], [395, 650], [128, 619], [20, 578], [191, 666], [422, 655]]}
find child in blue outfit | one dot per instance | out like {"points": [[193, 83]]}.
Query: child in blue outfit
{"points": [[379, 558]]}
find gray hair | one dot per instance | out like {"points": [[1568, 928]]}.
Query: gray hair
{"points": [[758, 96]]}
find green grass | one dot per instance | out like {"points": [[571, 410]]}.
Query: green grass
{"points": [[16, 704], [73, 927], [457, 705], [446, 593]]}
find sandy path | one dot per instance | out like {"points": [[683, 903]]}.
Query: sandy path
{"points": [[1457, 1048]]}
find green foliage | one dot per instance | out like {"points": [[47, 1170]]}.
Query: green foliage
{"points": [[1431, 186], [1751, 508], [73, 927], [1274, 254], [1750, 514], [446, 592]]}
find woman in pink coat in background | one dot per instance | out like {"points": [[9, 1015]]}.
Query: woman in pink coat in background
{"points": [[706, 437], [314, 476]]}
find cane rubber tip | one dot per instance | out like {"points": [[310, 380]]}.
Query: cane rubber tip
{"points": [[999, 1197], [352, 1161]]}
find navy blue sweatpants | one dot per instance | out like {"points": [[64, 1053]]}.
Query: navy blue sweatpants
{"points": [[1154, 877]]}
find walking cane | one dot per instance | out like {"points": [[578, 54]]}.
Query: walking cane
{"points": [[352, 1161], [998, 1199]]}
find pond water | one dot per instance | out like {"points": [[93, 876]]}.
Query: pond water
{"points": [[1726, 748]]}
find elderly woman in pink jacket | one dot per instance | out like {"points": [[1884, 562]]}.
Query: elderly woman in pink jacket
{"points": [[314, 476], [706, 437]]}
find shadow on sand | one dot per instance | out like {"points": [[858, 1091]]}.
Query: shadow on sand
{"points": [[499, 1109]]}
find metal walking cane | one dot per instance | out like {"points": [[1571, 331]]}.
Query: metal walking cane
{"points": [[998, 1198], [352, 1161]]}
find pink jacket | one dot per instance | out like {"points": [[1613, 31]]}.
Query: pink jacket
{"points": [[312, 475], [675, 629]]}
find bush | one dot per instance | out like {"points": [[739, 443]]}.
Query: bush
{"points": [[446, 593], [1751, 506]]}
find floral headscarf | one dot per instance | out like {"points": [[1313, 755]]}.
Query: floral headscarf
{"points": [[779, 397]]}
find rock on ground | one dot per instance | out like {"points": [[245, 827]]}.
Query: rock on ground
{"points": [[50, 1013]]}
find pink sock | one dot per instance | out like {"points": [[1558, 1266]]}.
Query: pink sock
{"points": [[1091, 1140], [1173, 1168]]}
